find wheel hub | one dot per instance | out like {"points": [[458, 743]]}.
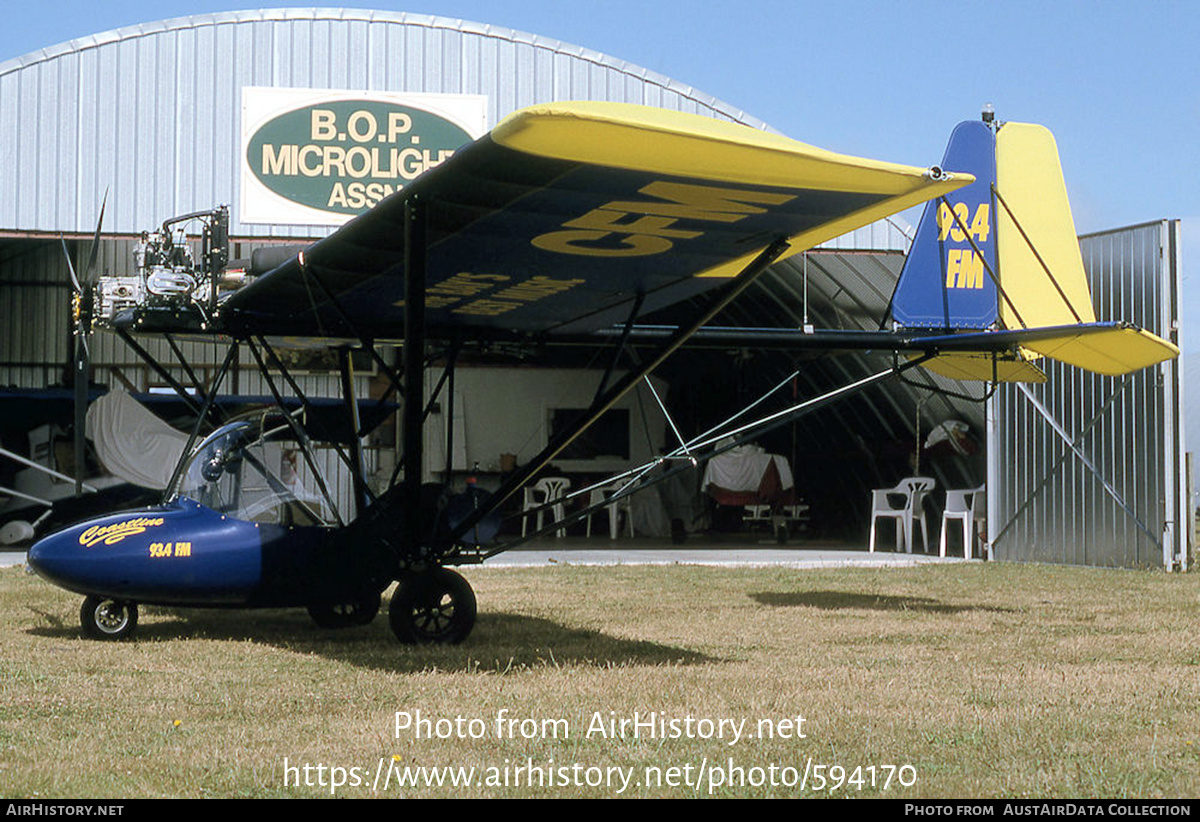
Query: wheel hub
{"points": [[111, 617]]}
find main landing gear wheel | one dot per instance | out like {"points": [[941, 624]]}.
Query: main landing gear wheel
{"points": [[436, 606], [107, 618], [346, 614]]}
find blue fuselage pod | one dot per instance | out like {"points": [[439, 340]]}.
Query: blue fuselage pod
{"points": [[180, 553]]}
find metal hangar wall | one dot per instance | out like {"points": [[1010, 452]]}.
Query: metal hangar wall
{"points": [[1091, 470]]}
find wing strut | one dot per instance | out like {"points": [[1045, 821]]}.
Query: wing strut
{"points": [[451, 356], [187, 368], [362, 495], [166, 375], [201, 415], [601, 404], [447, 380], [620, 348], [307, 272], [415, 258], [306, 448], [291, 381]]}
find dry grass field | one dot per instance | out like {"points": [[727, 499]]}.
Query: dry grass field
{"points": [[980, 680]]}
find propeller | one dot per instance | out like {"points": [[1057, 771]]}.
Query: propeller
{"points": [[83, 297]]}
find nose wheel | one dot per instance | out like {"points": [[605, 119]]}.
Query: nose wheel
{"points": [[108, 618], [432, 607]]}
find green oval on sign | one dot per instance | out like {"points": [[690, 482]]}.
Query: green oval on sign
{"points": [[344, 156]]}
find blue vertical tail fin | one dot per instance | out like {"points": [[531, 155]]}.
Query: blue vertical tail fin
{"points": [[1011, 226], [945, 282]]}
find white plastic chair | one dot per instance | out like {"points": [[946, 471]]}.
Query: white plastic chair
{"points": [[757, 515], [906, 504], [968, 506], [615, 509], [541, 494], [796, 514]]}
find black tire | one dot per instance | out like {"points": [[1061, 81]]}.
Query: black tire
{"points": [[346, 614], [435, 606], [108, 618]]}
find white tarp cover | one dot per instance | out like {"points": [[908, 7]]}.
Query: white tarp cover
{"points": [[131, 442], [742, 469]]}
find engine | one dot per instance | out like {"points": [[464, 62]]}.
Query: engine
{"points": [[169, 278]]}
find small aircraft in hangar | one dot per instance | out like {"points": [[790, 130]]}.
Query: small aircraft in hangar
{"points": [[566, 223]]}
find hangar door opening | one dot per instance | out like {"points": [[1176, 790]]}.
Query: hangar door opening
{"points": [[1090, 470]]}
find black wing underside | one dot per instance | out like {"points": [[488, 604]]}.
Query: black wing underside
{"points": [[565, 216]]}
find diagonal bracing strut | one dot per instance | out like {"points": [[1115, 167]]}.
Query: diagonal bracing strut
{"points": [[602, 403]]}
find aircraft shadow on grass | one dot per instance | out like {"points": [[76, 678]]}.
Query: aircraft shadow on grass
{"points": [[849, 600], [500, 643]]}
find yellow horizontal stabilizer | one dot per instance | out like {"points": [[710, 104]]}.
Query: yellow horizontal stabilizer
{"points": [[984, 367], [1113, 351]]}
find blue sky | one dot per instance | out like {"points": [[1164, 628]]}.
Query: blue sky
{"points": [[1117, 82]]}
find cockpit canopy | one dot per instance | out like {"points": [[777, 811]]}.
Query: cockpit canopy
{"points": [[252, 469]]}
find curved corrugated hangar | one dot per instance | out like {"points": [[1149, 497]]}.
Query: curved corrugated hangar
{"points": [[300, 119]]}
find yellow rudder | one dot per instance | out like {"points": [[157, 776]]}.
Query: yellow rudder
{"points": [[1035, 234]]}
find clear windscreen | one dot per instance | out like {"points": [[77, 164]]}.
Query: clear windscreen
{"points": [[248, 470]]}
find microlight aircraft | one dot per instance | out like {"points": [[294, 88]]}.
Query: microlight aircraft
{"points": [[566, 223]]}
